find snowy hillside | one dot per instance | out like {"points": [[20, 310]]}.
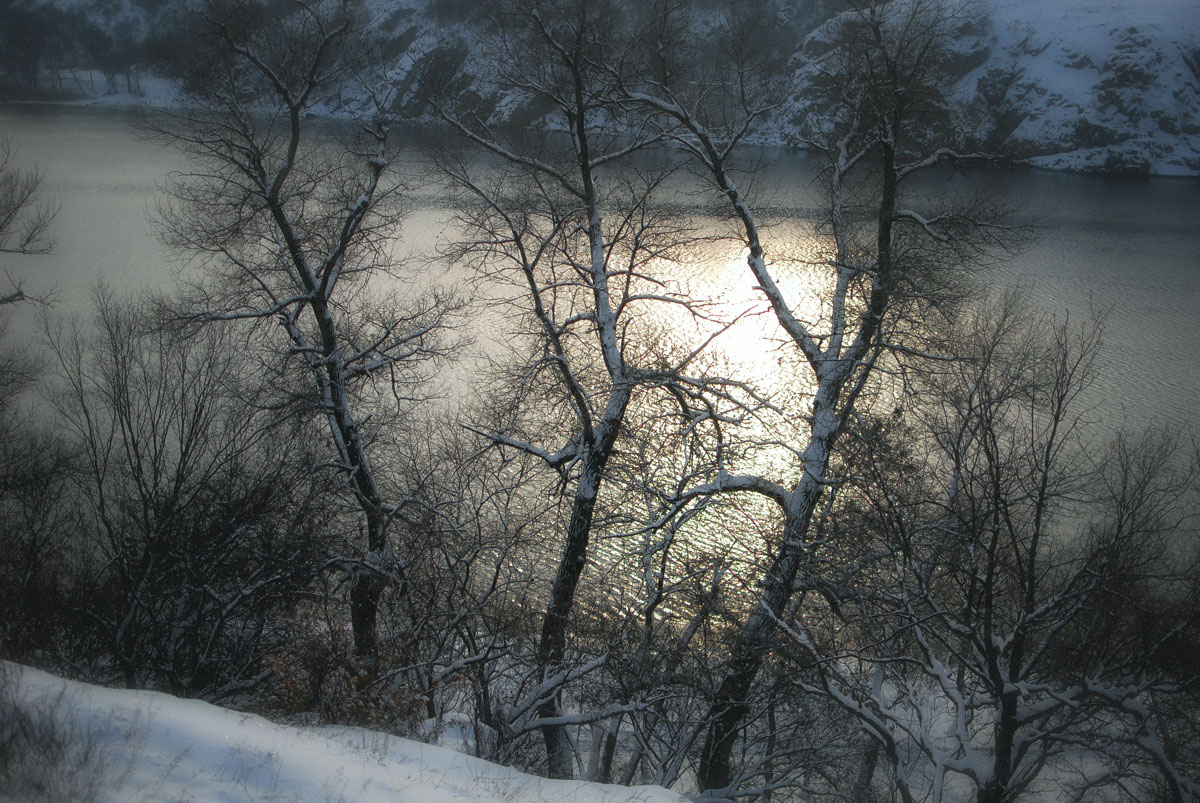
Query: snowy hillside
{"points": [[1085, 85], [144, 746], [1094, 84]]}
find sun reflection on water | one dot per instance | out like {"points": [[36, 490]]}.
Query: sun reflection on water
{"points": [[747, 337]]}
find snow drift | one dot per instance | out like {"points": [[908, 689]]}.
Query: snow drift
{"points": [[120, 746]]}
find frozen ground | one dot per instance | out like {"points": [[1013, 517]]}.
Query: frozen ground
{"points": [[144, 746]]}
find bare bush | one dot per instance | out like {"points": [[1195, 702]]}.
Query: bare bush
{"points": [[199, 519]]}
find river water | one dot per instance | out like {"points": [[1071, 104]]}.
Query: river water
{"points": [[1128, 247]]}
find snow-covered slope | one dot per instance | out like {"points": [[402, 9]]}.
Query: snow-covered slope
{"points": [[145, 746], [1105, 86], [1095, 85], [1087, 85]]}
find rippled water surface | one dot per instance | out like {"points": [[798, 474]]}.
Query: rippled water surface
{"points": [[1131, 248]]}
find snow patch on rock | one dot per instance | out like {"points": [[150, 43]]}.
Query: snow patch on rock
{"points": [[1093, 86]]}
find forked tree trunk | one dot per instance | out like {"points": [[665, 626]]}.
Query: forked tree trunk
{"points": [[756, 639]]}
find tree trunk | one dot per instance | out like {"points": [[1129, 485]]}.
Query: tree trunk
{"points": [[610, 751], [730, 705], [367, 585], [365, 592], [553, 644]]}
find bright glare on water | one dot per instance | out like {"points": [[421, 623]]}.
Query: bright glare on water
{"points": [[1127, 248]]}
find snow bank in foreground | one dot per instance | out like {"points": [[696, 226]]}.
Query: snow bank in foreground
{"points": [[150, 746]]}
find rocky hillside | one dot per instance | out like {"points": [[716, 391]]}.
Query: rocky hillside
{"points": [[1093, 85], [1100, 86], [1082, 85], [1087, 85]]}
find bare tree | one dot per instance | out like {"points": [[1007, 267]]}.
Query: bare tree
{"points": [[197, 519], [36, 519], [890, 271], [288, 222], [25, 219], [569, 222], [1022, 585], [34, 464]]}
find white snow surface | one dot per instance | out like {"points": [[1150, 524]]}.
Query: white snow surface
{"points": [[157, 747], [1071, 17]]}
